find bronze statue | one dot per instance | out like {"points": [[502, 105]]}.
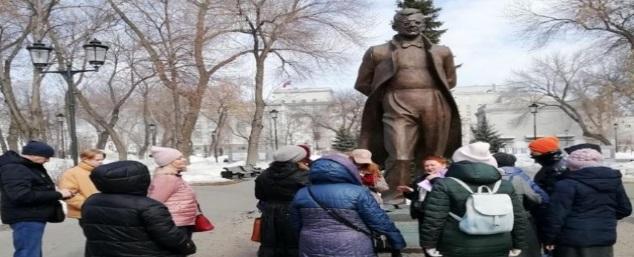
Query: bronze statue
{"points": [[410, 112]]}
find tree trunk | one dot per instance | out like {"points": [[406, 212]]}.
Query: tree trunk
{"points": [[218, 135], [576, 116], [146, 128], [102, 139], [14, 135], [36, 129], [3, 143], [114, 135], [194, 102], [256, 123], [176, 129]]}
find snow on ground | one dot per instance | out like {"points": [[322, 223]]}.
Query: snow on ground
{"points": [[624, 162], [200, 170], [207, 170]]}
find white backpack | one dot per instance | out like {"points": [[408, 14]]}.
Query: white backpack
{"points": [[487, 212]]}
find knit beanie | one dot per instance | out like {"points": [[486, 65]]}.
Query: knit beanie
{"points": [[37, 148], [164, 155], [475, 152], [307, 149], [544, 145], [582, 158], [361, 156], [581, 146], [289, 153], [505, 159]]}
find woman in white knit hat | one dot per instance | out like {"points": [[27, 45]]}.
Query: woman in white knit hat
{"points": [[474, 165], [169, 187]]}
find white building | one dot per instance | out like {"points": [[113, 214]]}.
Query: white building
{"points": [[296, 109], [514, 121]]}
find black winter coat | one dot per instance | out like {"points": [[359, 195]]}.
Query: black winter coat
{"points": [[584, 208], [552, 168], [416, 207], [122, 221], [28, 193], [276, 188]]}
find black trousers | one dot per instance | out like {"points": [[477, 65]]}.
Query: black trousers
{"points": [[598, 251]]}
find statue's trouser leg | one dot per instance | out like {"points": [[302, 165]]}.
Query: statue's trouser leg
{"points": [[400, 134], [435, 124], [413, 120]]}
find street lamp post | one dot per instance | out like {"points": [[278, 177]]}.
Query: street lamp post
{"points": [[60, 121], [152, 127], [214, 143], [95, 55], [616, 137], [533, 107], [274, 114], [316, 137]]}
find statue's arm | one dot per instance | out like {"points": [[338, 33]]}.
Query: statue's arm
{"points": [[366, 74], [450, 69]]}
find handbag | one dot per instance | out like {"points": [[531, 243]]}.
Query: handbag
{"points": [[256, 234], [58, 214], [379, 242], [202, 223]]}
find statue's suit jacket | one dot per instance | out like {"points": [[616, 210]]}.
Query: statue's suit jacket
{"points": [[377, 68]]}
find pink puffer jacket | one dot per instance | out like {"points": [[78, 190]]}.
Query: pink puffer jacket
{"points": [[177, 195]]}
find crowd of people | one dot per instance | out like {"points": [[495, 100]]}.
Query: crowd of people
{"points": [[121, 209], [476, 204], [333, 207]]}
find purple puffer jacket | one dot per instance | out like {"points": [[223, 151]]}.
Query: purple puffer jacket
{"points": [[336, 185]]}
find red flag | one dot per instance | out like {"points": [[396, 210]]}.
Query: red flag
{"points": [[287, 83]]}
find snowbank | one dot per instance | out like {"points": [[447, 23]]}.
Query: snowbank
{"points": [[207, 170]]}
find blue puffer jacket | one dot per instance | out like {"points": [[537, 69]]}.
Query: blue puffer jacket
{"points": [[584, 208], [337, 186]]}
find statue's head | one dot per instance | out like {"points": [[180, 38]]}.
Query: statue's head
{"points": [[409, 22]]}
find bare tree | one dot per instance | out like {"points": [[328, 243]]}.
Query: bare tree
{"points": [[343, 113], [223, 99], [616, 74], [181, 51], [560, 82], [296, 33], [18, 20], [609, 21]]}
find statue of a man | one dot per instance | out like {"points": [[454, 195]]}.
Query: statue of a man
{"points": [[410, 112]]}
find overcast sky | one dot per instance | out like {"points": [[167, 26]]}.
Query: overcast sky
{"points": [[479, 33]]}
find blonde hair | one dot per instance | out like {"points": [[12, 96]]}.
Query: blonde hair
{"points": [[90, 154]]}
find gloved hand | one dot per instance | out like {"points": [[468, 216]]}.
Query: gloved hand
{"points": [[396, 253], [515, 252], [433, 252]]}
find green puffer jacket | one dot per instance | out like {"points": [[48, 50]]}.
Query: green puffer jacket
{"points": [[440, 231]]}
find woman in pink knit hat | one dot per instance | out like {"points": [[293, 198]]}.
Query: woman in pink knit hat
{"points": [[585, 206], [169, 187]]}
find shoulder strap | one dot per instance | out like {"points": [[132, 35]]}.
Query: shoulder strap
{"points": [[336, 216], [496, 186], [463, 184]]}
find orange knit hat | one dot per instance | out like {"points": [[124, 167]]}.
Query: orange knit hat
{"points": [[544, 145]]}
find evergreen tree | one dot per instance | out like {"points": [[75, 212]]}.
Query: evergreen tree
{"points": [[432, 30], [484, 132], [344, 141]]}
